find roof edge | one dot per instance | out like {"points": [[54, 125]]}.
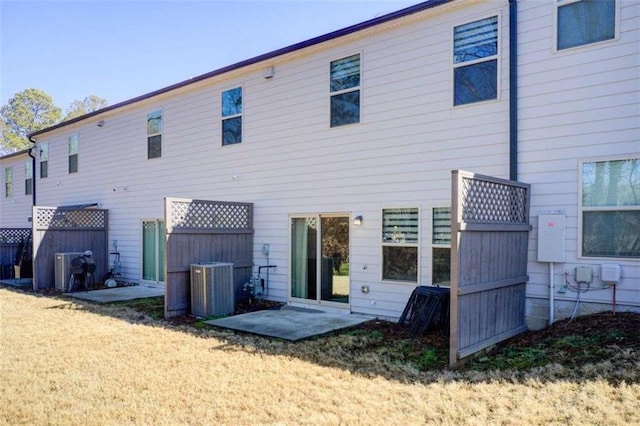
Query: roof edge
{"points": [[429, 4]]}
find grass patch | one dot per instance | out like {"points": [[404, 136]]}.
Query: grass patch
{"points": [[153, 307]]}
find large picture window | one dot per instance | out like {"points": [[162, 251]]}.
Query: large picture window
{"points": [[475, 61], [345, 91], [583, 22], [232, 116], [400, 244], [611, 208], [154, 134]]}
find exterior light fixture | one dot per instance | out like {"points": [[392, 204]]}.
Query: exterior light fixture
{"points": [[357, 221]]}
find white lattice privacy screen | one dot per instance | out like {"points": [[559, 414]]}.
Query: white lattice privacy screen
{"points": [[209, 215], [486, 201], [53, 218]]}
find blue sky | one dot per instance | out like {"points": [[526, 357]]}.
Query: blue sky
{"points": [[121, 49]]}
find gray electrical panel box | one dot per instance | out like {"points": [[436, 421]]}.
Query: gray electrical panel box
{"points": [[551, 237]]}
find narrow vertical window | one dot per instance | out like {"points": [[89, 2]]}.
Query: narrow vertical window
{"points": [[44, 160], [28, 178], [400, 244], [441, 246], [232, 116], [585, 21], [8, 182], [154, 134], [475, 61], [73, 153], [345, 91]]}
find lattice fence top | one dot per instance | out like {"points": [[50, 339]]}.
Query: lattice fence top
{"points": [[485, 201], [210, 215], [49, 218], [14, 235]]}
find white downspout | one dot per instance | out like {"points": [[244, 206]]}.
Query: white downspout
{"points": [[551, 292]]}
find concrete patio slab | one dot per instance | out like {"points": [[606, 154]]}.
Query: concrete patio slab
{"points": [[290, 323], [119, 294], [17, 282]]}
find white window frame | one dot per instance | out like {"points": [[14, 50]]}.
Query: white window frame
{"points": [[582, 209], [159, 133], [76, 153], [439, 246], [224, 118], [43, 154], [387, 244], [28, 178], [554, 40], [8, 182], [343, 91], [497, 57]]}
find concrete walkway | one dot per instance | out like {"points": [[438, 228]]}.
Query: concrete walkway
{"points": [[118, 294], [290, 323]]}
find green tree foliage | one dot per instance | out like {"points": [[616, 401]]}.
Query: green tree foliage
{"points": [[28, 111], [85, 106]]}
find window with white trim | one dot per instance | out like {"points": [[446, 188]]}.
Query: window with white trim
{"points": [[344, 88], [28, 178], [441, 246], [232, 116], [610, 208], [400, 240], [8, 182], [154, 134], [73, 153], [44, 160], [581, 22], [475, 61]]}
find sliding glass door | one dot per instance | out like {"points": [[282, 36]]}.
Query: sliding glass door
{"points": [[320, 259], [153, 236]]}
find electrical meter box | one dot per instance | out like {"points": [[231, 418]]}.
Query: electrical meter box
{"points": [[551, 236], [610, 273]]}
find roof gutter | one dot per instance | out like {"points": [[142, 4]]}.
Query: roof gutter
{"points": [[33, 170], [513, 90]]}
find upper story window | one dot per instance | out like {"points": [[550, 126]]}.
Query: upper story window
{"points": [[582, 22], [44, 160], [611, 208], [345, 91], [28, 178], [8, 182], [154, 134], [73, 153], [232, 116], [400, 244], [441, 246], [475, 61]]}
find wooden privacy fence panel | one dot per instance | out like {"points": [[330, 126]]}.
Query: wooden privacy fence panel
{"points": [[10, 241], [64, 230], [490, 233], [204, 231]]}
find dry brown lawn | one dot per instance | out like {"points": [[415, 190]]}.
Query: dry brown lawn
{"points": [[67, 363]]}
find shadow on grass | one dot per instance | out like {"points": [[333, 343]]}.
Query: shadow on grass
{"points": [[601, 346]]}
